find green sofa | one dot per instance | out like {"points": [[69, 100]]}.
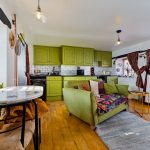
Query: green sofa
{"points": [[83, 104]]}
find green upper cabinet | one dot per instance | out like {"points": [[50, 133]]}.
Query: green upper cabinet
{"points": [[44, 55], [88, 56], [54, 56], [98, 55], [79, 56], [68, 55], [107, 59], [104, 58], [41, 55]]}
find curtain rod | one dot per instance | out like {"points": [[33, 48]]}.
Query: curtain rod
{"points": [[125, 55]]}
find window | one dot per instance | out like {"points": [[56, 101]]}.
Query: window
{"points": [[123, 68]]}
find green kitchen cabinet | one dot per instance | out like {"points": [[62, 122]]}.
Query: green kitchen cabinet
{"points": [[54, 56], [104, 58], [41, 55], [68, 55], [88, 56], [54, 88], [107, 59], [79, 53], [45, 55], [77, 56], [98, 55]]}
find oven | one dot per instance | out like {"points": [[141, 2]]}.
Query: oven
{"points": [[39, 80]]}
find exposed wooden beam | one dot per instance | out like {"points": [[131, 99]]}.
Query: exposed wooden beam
{"points": [[4, 19]]}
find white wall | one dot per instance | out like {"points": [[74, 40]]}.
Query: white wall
{"points": [[3, 53], [141, 62], [11, 57]]}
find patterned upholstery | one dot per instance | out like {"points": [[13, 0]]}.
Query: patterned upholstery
{"points": [[106, 103]]}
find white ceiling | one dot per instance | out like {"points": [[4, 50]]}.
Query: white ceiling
{"points": [[90, 23]]}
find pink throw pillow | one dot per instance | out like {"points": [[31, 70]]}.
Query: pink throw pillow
{"points": [[94, 87]]}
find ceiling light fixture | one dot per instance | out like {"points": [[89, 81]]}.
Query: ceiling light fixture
{"points": [[118, 40], [38, 14]]}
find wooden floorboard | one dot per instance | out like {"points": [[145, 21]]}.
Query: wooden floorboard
{"points": [[63, 132]]}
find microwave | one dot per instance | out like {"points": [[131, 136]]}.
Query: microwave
{"points": [[80, 72]]}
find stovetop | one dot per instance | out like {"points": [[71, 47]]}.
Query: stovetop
{"points": [[38, 76]]}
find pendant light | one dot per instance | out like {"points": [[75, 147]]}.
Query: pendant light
{"points": [[118, 42], [38, 14], [38, 11]]}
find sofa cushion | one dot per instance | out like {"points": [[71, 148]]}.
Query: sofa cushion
{"points": [[84, 86], [97, 86], [76, 83], [94, 87], [101, 87], [110, 88], [112, 79], [106, 103], [122, 89]]}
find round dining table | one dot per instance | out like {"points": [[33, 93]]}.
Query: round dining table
{"points": [[22, 95]]}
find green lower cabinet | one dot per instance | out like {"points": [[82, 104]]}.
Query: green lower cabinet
{"points": [[54, 88]]}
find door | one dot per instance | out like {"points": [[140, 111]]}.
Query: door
{"points": [[68, 53], [107, 59], [79, 56], [54, 56], [54, 88], [41, 55], [88, 56]]}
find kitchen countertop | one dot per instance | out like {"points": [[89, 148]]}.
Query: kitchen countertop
{"points": [[60, 75], [47, 74]]}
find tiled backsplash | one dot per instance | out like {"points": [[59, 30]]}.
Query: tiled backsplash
{"points": [[43, 69], [71, 70]]}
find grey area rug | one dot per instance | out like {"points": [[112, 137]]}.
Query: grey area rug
{"points": [[125, 131]]}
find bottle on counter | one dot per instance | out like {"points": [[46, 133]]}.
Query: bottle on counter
{"points": [[92, 71]]}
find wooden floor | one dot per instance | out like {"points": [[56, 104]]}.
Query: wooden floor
{"points": [[63, 132]]}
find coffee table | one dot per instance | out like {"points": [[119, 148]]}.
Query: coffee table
{"points": [[142, 96]]}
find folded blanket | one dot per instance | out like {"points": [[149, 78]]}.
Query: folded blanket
{"points": [[10, 112]]}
